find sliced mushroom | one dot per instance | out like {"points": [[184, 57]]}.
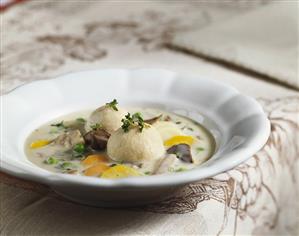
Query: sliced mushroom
{"points": [[153, 120], [182, 152], [97, 139]]}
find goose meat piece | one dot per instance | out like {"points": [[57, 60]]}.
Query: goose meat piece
{"points": [[63, 143], [68, 139]]}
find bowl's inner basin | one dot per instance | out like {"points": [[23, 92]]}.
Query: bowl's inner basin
{"points": [[165, 142]]}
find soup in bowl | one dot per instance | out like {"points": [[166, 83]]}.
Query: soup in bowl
{"points": [[117, 142]]}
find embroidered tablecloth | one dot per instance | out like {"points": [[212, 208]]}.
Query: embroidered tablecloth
{"points": [[42, 39]]}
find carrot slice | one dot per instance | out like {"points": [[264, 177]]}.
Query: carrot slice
{"points": [[179, 140], [94, 159], [39, 143], [120, 171], [96, 170]]}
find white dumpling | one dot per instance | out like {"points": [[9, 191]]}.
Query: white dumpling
{"points": [[136, 147], [108, 118]]}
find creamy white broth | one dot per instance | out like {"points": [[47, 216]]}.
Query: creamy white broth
{"points": [[201, 149]]}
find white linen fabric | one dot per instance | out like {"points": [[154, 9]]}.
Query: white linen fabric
{"points": [[264, 40]]}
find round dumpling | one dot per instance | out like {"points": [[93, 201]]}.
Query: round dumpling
{"points": [[108, 118], [134, 146]]}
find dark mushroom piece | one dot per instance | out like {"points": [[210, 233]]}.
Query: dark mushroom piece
{"points": [[182, 152], [153, 120], [97, 139]]}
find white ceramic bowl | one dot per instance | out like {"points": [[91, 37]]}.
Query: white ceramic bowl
{"points": [[237, 122]]}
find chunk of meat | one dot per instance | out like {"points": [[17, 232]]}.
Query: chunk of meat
{"points": [[75, 125], [68, 139], [97, 139], [63, 143]]}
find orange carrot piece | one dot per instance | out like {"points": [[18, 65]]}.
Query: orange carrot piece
{"points": [[94, 159], [96, 170]]}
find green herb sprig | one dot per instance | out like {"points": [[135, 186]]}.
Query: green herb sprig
{"points": [[59, 125], [96, 126], [199, 149], [133, 121], [79, 150], [180, 169], [113, 104], [51, 160], [81, 120], [67, 166]]}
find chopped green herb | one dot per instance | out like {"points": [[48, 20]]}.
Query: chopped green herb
{"points": [[67, 166], [59, 125], [189, 128], [79, 150], [147, 172], [51, 161], [180, 169], [81, 120], [96, 126], [133, 121], [178, 122], [126, 122], [113, 105], [200, 149], [113, 165]]}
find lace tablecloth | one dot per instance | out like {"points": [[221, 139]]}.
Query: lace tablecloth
{"points": [[44, 39]]}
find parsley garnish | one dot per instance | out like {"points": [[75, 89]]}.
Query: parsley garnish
{"points": [[133, 121], [78, 150], [59, 125], [51, 161], [81, 120], [96, 126], [112, 104], [171, 169], [200, 149], [67, 166], [180, 169]]}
